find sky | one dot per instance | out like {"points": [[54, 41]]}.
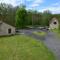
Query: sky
{"points": [[39, 5]]}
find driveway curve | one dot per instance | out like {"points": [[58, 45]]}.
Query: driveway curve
{"points": [[50, 40], [53, 43]]}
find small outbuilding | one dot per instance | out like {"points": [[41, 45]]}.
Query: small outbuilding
{"points": [[6, 29], [54, 23]]}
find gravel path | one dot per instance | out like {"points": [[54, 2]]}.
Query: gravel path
{"points": [[53, 43], [30, 33]]}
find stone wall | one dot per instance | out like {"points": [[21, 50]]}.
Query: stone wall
{"points": [[54, 24]]}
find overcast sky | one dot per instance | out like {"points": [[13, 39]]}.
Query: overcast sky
{"points": [[39, 5]]}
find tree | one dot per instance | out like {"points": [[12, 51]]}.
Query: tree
{"points": [[21, 17], [7, 13], [29, 17], [34, 17], [46, 16]]}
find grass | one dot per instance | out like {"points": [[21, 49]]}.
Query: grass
{"points": [[40, 33], [57, 31], [21, 47]]}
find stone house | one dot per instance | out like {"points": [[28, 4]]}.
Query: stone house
{"points": [[54, 23], [6, 29]]}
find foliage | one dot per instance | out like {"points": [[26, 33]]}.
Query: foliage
{"points": [[21, 17], [46, 17], [34, 17], [7, 13]]}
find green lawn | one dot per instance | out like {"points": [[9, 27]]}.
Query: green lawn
{"points": [[21, 47], [40, 33], [57, 31]]}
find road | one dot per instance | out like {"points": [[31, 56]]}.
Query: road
{"points": [[53, 43], [30, 33]]}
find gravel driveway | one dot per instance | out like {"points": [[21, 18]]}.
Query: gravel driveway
{"points": [[53, 43], [30, 33]]}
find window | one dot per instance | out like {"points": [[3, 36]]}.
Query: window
{"points": [[9, 31], [55, 22]]}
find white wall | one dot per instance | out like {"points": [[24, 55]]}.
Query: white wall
{"points": [[5, 27]]}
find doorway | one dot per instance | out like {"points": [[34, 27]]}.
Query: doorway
{"points": [[9, 30]]}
